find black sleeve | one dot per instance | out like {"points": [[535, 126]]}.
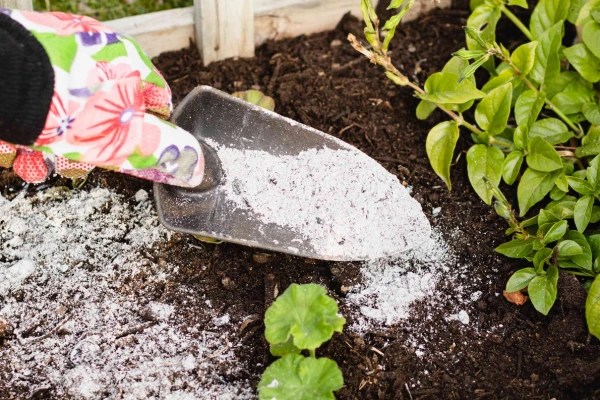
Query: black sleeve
{"points": [[26, 83]]}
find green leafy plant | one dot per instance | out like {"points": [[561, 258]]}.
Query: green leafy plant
{"points": [[534, 123], [302, 318]]}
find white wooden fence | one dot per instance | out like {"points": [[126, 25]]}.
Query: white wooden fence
{"points": [[233, 28]]}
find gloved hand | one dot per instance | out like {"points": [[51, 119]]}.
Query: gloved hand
{"points": [[85, 96]]}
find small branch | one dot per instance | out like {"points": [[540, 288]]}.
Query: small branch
{"points": [[517, 22]]}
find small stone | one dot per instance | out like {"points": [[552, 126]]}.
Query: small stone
{"points": [[261, 258], [228, 283], [335, 43], [344, 289], [411, 48], [62, 310], [6, 328], [141, 196]]}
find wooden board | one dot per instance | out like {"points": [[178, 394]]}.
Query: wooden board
{"points": [[160, 31], [224, 29], [273, 19], [17, 4]]}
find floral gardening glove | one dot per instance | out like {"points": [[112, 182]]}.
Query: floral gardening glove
{"points": [[74, 95]]}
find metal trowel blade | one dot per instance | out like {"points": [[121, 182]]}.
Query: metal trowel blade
{"points": [[217, 118]]}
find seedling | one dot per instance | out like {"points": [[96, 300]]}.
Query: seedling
{"points": [[536, 123], [302, 318]]}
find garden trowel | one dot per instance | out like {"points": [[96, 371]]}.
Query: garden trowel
{"points": [[219, 119]]}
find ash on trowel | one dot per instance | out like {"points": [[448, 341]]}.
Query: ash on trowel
{"points": [[342, 202]]}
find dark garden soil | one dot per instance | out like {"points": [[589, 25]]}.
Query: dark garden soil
{"points": [[321, 81]]}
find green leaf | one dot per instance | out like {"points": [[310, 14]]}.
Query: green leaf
{"points": [[306, 313], [484, 162], [483, 20], [392, 23], [566, 81], [592, 308], [574, 10], [564, 208], [584, 61], [281, 349], [595, 214], [556, 193], [595, 14], [547, 60], [492, 112], [591, 37], [570, 102], [553, 130], [540, 258], [520, 3], [556, 231], [512, 167], [395, 4], [583, 212], [569, 248], [524, 57], [594, 241], [503, 77], [592, 171], [547, 217], [590, 143], [473, 4], [528, 107], [542, 290], [581, 261], [516, 248], [440, 145], [61, 50], [579, 185], [424, 109], [546, 14], [591, 112], [457, 65], [542, 156], [520, 279], [295, 377], [584, 14], [533, 187], [562, 183], [443, 88], [470, 70], [521, 137]]}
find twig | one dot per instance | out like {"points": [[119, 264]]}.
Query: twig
{"points": [[408, 390], [53, 331], [274, 77], [352, 125], [135, 329]]}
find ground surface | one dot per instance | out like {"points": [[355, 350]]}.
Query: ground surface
{"points": [[499, 351]]}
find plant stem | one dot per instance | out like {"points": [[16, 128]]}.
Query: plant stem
{"points": [[387, 64], [549, 103], [517, 22], [312, 353]]}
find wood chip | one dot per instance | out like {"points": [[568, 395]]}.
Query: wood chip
{"points": [[515, 297]]}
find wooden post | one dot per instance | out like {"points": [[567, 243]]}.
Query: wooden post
{"points": [[224, 29], [25, 5]]}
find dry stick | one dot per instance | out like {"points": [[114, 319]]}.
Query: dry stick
{"points": [[385, 61]]}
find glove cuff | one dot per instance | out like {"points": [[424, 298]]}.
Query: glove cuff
{"points": [[26, 83]]}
